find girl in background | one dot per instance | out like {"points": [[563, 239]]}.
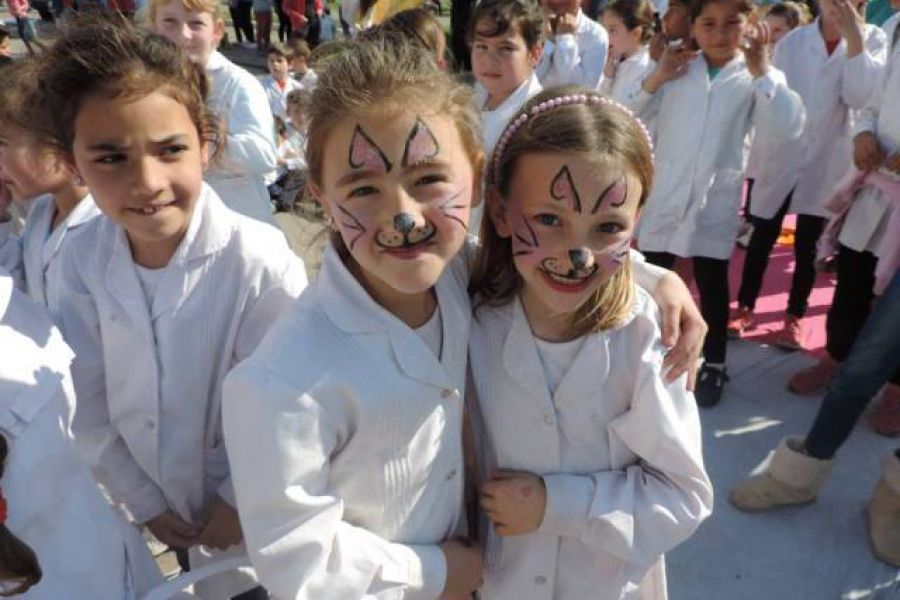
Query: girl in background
{"points": [[630, 26]]}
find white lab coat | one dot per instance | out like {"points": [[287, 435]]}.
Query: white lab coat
{"points": [[619, 451], [831, 88], [344, 435], [34, 256], [870, 212], [85, 549], [701, 126], [248, 159], [277, 96], [575, 59], [148, 379], [629, 73], [493, 122]]}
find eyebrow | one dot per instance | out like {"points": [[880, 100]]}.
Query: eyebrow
{"points": [[359, 175], [117, 147]]}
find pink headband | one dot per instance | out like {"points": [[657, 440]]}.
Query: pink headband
{"points": [[557, 102]]}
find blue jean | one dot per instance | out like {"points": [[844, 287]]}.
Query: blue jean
{"points": [[874, 357]]}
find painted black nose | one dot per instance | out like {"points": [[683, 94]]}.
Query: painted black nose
{"points": [[579, 258], [404, 222]]}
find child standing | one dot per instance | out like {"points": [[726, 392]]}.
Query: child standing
{"points": [[35, 171], [58, 535], [279, 83], [630, 27], [239, 175], [303, 74], [18, 9], [262, 12], [576, 51], [703, 107], [833, 64], [506, 41], [865, 230], [161, 295], [594, 465]]}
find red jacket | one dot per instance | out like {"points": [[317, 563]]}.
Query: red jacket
{"points": [[295, 9]]}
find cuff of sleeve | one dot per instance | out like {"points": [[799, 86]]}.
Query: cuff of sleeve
{"points": [[145, 503], [565, 40], [568, 502], [432, 572], [765, 85], [226, 492]]}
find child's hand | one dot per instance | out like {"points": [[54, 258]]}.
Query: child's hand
{"points": [[868, 155], [657, 46], [756, 40], [612, 64], [172, 530], [683, 328], [566, 23], [223, 529], [893, 163], [849, 22], [514, 501], [672, 64], [464, 568]]}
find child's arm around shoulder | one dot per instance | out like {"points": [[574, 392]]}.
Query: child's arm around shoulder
{"points": [[281, 437]]}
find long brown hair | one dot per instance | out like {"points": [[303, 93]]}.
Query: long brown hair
{"points": [[601, 131], [18, 565]]}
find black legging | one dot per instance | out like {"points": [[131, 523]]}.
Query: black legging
{"points": [[765, 234], [711, 275], [245, 20], [284, 23]]}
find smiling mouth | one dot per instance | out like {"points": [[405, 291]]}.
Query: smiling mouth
{"points": [[152, 209], [569, 282]]}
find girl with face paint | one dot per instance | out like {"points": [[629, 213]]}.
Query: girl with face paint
{"points": [[595, 463]]}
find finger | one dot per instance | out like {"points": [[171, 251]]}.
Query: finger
{"points": [[671, 317], [501, 474], [692, 377], [183, 528], [177, 540]]}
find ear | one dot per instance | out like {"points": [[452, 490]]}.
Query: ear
{"points": [[316, 192], [534, 54], [218, 30], [496, 208], [204, 154]]}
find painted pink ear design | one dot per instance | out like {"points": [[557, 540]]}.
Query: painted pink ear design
{"points": [[365, 154], [563, 188], [421, 145], [616, 194]]}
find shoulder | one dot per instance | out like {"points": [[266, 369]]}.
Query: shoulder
{"points": [[891, 24], [593, 29], [643, 326], [256, 246]]}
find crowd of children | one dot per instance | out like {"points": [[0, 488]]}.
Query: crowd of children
{"points": [[487, 389]]}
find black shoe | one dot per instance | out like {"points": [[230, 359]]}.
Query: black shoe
{"points": [[710, 383]]}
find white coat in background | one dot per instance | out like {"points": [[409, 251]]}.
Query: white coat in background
{"points": [[85, 550], [344, 435], [618, 449], [493, 122], [701, 126], [247, 162], [831, 87], [865, 222], [148, 378], [34, 256], [629, 73], [575, 59], [278, 96]]}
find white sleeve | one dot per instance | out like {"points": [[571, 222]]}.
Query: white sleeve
{"points": [[777, 109], [646, 275], [643, 104], [279, 444], [860, 74], [250, 137], [11, 256], [109, 457], [640, 512], [592, 61]]}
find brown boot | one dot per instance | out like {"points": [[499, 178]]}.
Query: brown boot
{"points": [[884, 514], [789, 478]]}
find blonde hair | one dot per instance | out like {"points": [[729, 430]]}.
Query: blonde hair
{"points": [[383, 73], [604, 133], [201, 6]]}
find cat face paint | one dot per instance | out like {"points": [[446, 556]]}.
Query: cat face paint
{"points": [[399, 188], [570, 226]]}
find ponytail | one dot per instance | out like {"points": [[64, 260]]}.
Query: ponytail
{"points": [[19, 569]]}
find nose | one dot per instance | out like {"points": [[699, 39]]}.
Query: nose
{"points": [[147, 178], [404, 222], [581, 258]]}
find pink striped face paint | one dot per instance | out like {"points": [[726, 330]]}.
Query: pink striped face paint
{"points": [[399, 188], [570, 224]]}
